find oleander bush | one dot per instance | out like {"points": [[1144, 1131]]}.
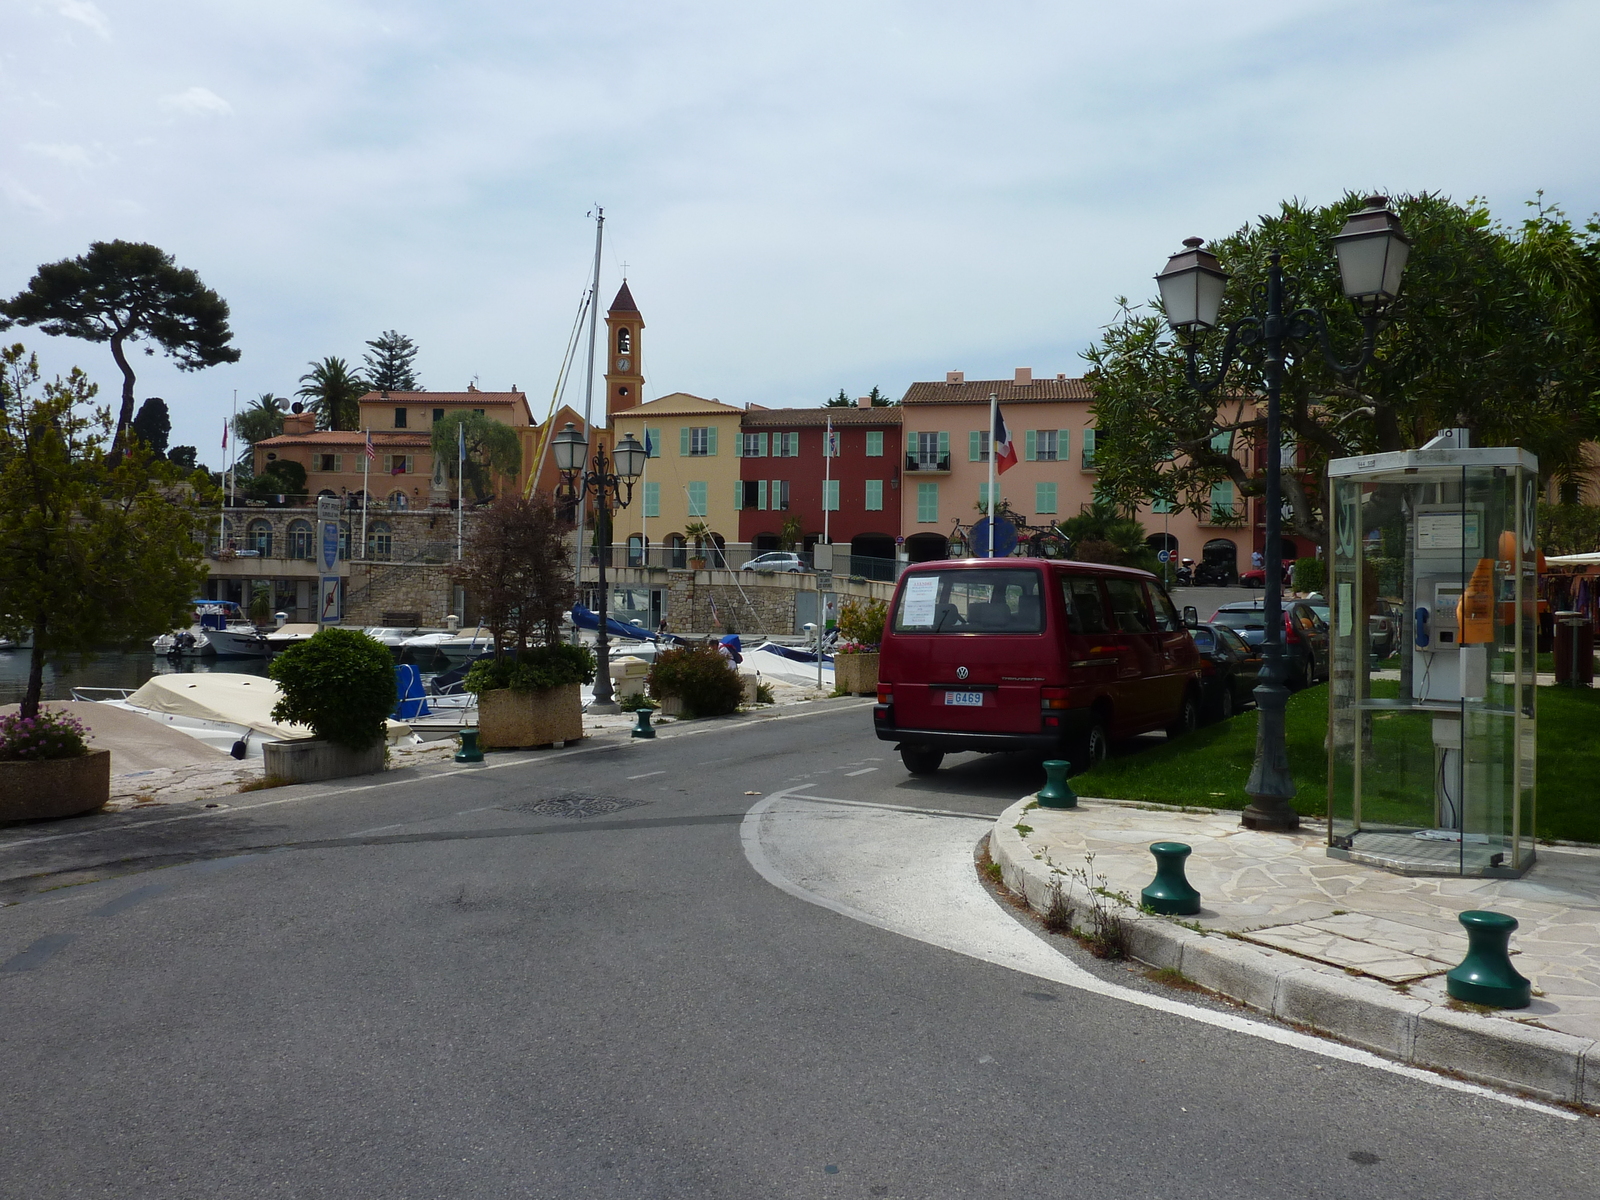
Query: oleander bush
{"points": [[860, 625], [340, 682], [700, 677]]}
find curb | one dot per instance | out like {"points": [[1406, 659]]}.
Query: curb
{"points": [[1485, 1049]]}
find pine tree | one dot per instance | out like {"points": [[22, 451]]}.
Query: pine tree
{"points": [[391, 361]]}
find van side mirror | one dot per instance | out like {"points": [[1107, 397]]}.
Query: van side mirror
{"points": [[1191, 617]]}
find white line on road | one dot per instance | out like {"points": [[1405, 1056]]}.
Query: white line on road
{"points": [[647, 775], [905, 808], [863, 771], [1028, 955]]}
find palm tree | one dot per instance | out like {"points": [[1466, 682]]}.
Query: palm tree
{"points": [[333, 392], [261, 420]]}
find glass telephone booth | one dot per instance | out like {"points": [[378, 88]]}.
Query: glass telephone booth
{"points": [[1431, 765]]}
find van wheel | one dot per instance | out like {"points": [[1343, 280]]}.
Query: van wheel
{"points": [[921, 760], [1093, 748], [1188, 717]]}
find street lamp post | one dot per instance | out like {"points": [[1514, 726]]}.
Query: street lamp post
{"points": [[610, 482], [1371, 251]]}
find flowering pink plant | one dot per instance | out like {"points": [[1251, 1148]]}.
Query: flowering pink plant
{"points": [[856, 648], [51, 734]]}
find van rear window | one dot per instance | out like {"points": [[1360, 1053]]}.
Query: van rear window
{"points": [[1003, 600]]}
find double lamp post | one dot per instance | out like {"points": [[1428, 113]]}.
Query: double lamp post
{"points": [[610, 481], [1371, 251]]}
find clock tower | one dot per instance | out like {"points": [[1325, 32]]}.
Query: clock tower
{"points": [[624, 378]]}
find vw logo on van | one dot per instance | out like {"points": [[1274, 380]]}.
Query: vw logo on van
{"points": [[961, 672]]}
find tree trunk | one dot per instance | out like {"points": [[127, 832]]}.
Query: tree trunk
{"points": [[30, 698], [125, 415]]}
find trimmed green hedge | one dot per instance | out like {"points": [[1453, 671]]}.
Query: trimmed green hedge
{"points": [[699, 676], [534, 670], [341, 683]]}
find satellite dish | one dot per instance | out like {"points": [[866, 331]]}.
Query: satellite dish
{"points": [[283, 403], [297, 407]]}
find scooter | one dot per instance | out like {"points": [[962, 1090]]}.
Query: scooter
{"points": [[1185, 576]]}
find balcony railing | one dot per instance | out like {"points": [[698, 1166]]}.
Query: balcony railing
{"points": [[917, 465]]}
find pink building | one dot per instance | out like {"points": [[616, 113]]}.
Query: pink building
{"points": [[945, 427]]}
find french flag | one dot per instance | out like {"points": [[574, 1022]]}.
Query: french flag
{"points": [[1005, 454]]}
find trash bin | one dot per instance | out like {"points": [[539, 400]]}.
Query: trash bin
{"points": [[1574, 652]]}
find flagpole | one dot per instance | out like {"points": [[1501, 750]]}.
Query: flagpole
{"points": [[644, 511], [366, 488], [222, 509], [233, 472], [994, 409], [461, 470], [588, 407]]}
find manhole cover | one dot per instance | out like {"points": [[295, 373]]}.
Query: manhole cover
{"points": [[575, 805]]}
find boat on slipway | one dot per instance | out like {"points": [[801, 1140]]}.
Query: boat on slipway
{"points": [[232, 713]]}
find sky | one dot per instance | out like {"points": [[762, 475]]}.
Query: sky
{"points": [[805, 198]]}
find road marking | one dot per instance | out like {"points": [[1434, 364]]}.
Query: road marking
{"points": [[1059, 969], [905, 808], [863, 771], [430, 776], [647, 775]]}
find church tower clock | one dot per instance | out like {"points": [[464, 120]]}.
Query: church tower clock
{"points": [[624, 378]]}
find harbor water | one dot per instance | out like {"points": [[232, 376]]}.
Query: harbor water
{"points": [[111, 669]]}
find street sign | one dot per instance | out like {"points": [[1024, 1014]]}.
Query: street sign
{"points": [[1005, 538], [328, 605], [330, 546], [329, 508], [824, 580], [1162, 556]]}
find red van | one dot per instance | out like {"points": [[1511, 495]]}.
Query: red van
{"points": [[1031, 654]]}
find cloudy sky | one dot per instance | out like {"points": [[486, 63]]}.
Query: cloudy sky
{"points": [[806, 197]]}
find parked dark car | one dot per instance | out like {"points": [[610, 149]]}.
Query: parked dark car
{"points": [[1229, 666], [1383, 629], [1305, 636]]}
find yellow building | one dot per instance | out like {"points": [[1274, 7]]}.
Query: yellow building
{"points": [[690, 476]]}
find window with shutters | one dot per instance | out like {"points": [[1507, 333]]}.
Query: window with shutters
{"points": [[697, 498], [830, 495], [699, 441], [1044, 498], [755, 445], [399, 418], [1042, 445], [652, 499], [1161, 504], [1222, 501], [874, 443], [397, 464], [978, 446], [983, 495], [1088, 449], [927, 502], [333, 463], [874, 495], [933, 451], [778, 495], [652, 440]]}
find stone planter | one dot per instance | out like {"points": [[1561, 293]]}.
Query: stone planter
{"points": [[856, 674], [55, 787], [306, 760], [509, 720]]}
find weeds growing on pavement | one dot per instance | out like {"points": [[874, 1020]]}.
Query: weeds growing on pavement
{"points": [[1058, 917], [995, 872], [1108, 938], [1023, 830], [265, 782]]}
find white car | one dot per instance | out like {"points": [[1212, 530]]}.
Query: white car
{"points": [[777, 560]]}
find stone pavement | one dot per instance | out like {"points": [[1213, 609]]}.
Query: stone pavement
{"points": [[1293, 918]]}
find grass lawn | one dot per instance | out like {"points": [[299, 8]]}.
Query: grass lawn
{"points": [[1210, 766]]}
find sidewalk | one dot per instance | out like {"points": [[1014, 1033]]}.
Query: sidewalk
{"points": [[1346, 949]]}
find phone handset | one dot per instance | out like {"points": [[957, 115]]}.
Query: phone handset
{"points": [[1421, 636]]}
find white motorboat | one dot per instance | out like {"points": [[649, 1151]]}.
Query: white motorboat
{"points": [[232, 713], [183, 643], [237, 641], [284, 636]]}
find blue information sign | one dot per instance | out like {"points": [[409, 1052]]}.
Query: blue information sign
{"points": [[1005, 538], [330, 545]]}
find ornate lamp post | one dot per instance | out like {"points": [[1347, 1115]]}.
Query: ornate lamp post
{"points": [[1371, 251], [610, 482]]}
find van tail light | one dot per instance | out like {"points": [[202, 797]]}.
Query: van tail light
{"points": [[1207, 667], [1291, 635], [886, 693], [1053, 697]]}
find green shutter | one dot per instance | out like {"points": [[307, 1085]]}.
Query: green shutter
{"points": [[1088, 447], [1063, 445], [944, 446], [652, 499], [874, 443], [1030, 446], [874, 495], [738, 495], [683, 441], [1044, 498], [761, 444], [653, 436], [738, 444], [761, 494], [974, 447], [1222, 443], [830, 499], [1222, 501], [927, 502], [711, 440]]}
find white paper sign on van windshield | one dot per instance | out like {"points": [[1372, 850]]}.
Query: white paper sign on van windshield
{"points": [[922, 594]]}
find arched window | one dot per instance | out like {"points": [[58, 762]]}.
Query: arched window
{"points": [[677, 551], [327, 494], [398, 502], [635, 550], [302, 544], [380, 541], [258, 537], [624, 340], [344, 540]]}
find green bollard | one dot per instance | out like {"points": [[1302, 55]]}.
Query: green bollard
{"points": [[1057, 793], [641, 727], [1169, 892], [1486, 975], [469, 752]]}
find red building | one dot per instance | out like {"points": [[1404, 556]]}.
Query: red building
{"points": [[852, 498]]}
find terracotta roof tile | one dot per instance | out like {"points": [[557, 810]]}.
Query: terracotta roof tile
{"points": [[976, 391], [842, 417], [381, 439], [440, 398]]}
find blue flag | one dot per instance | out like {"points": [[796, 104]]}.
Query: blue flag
{"points": [[461, 442], [649, 446]]}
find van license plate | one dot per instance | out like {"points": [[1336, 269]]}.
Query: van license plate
{"points": [[970, 699]]}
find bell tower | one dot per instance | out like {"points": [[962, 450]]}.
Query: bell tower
{"points": [[624, 378]]}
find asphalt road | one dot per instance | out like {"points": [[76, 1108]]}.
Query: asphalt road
{"points": [[453, 985]]}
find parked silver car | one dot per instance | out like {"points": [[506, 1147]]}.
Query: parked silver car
{"points": [[778, 561]]}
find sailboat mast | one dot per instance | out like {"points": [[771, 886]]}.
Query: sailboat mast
{"points": [[588, 395]]}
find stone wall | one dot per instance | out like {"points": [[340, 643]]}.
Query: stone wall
{"points": [[399, 594]]}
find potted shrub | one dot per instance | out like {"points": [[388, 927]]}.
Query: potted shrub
{"points": [[855, 662], [699, 533], [699, 679], [340, 682], [531, 699], [47, 768], [260, 609]]}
